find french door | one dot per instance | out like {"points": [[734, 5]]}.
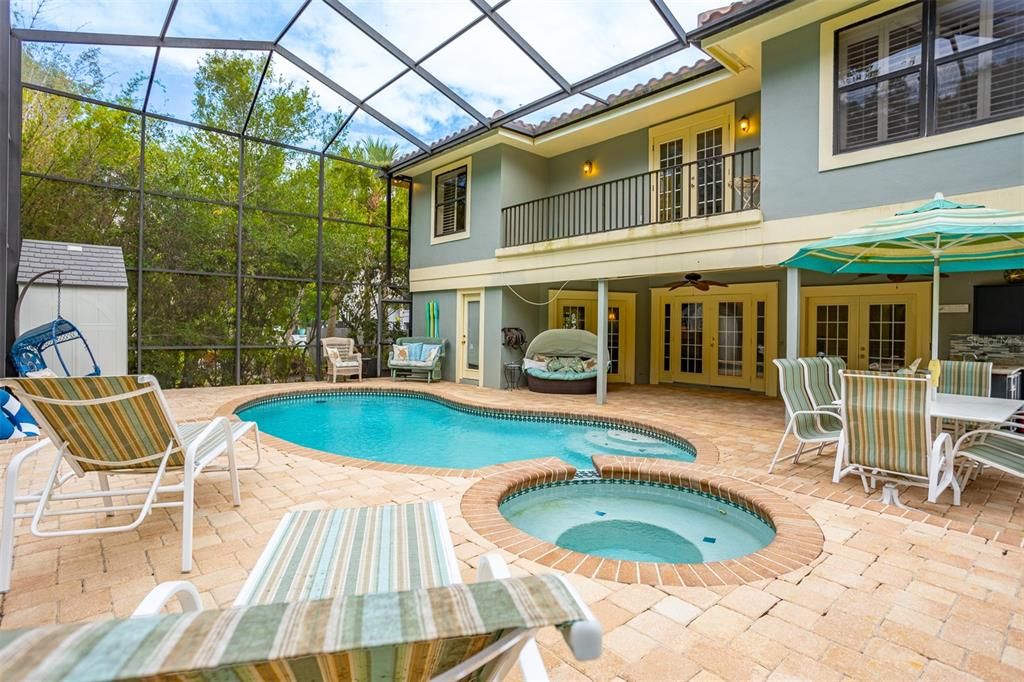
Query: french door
{"points": [[710, 340], [872, 327], [692, 178], [719, 339], [578, 310]]}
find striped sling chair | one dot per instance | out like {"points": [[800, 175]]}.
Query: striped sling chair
{"points": [[965, 377], [810, 426], [104, 425], [821, 389], [887, 436]]}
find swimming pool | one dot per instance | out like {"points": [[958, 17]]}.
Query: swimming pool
{"points": [[424, 431], [637, 521]]}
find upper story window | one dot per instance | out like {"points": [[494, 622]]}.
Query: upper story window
{"points": [[451, 202], [927, 68]]}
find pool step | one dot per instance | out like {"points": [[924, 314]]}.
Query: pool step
{"points": [[617, 442]]}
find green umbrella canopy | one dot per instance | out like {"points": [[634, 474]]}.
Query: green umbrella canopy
{"points": [[939, 236], [961, 237]]}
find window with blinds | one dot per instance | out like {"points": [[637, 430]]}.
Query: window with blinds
{"points": [[450, 202], [928, 68], [879, 80]]}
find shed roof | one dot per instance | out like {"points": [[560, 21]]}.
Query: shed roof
{"points": [[83, 264]]}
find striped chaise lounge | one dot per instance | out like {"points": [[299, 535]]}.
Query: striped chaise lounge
{"points": [[443, 633], [107, 425], [887, 436], [323, 554]]}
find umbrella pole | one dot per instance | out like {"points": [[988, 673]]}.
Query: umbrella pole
{"points": [[935, 309]]}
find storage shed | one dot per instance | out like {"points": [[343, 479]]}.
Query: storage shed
{"points": [[94, 296]]}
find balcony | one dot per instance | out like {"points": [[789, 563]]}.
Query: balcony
{"points": [[717, 185]]}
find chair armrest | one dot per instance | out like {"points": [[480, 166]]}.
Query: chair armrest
{"points": [[154, 602]]}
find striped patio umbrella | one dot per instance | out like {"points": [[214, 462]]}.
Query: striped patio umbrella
{"points": [[940, 236]]}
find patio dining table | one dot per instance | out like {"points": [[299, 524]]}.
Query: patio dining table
{"points": [[968, 408]]}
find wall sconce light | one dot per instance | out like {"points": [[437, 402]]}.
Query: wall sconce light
{"points": [[588, 167], [744, 124]]}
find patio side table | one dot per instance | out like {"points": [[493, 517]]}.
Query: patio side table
{"points": [[513, 375]]}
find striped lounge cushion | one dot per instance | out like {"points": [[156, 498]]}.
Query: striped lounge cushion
{"points": [[407, 636], [320, 554]]}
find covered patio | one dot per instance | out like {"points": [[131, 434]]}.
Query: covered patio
{"points": [[929, 593]]}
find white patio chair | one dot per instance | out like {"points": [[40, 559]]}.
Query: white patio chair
{"points": [[810, 426], [887, 436], [107, 425]]}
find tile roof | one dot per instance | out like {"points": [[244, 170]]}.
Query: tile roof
{"points": [[637, 91], [713, 15], [83, 264]]}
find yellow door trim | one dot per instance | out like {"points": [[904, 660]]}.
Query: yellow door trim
{"points": [[918, 294], [461, 371], [626, 301], [755, 292]]}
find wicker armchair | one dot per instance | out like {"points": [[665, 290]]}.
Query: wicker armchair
{"points": [[342, 358]]}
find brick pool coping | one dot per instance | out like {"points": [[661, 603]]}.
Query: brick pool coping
{"points": [[706, 452], [798, 538]]}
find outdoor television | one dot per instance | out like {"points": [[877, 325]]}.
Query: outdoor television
{"points": [[999, 309]]}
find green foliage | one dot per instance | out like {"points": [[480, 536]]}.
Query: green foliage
{"points": [[191, 314]]}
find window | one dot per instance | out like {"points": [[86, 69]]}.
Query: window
{"points": [[928, 68], [451, 201]]}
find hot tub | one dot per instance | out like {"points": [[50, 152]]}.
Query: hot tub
{"points": [[637, 521]]}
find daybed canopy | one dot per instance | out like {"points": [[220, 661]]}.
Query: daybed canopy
{"points": [[563, 343]]}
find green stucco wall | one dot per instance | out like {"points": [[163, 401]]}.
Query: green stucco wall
{"points": [[791, 184]]}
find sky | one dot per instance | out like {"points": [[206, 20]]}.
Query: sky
{"points": [[577, 37]]}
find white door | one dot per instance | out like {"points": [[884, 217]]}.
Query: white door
{"points": [[471, 321]]}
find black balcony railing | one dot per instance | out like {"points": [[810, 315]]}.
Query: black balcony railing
{"points": [[720, 184]]}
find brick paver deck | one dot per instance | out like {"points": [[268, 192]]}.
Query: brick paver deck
{"points": [[933, 593]]}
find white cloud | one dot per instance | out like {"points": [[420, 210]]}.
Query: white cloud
{"points": [[578, 37], [126, 17]]}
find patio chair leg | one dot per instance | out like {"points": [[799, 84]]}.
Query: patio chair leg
{"points": [[778, 450], [493, 567], [105, 485], [187, 512], [236, 492]]}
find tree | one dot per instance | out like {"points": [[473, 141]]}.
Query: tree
{"points": [[189, 211]]}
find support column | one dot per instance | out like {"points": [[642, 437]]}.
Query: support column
{"points": [[602, 341], [10, 180], [792, 313]]}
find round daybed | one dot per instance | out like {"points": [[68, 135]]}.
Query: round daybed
{"points": [[562, 361]]}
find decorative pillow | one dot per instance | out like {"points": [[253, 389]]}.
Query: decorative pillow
{"points": [[534, 364], [430, 352], [589, 364], [560, 364], [415, 351], [401, 353]]}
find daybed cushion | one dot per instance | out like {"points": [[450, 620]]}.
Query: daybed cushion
{"points": [[561, 375]]}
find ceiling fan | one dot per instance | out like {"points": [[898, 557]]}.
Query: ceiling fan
{"points": [[894, 278], [694, 279]]}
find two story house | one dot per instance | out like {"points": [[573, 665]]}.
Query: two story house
{"points": [[808, 119]]}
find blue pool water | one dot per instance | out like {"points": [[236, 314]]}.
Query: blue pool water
{"points": [[637, 521], [424, 432]]}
